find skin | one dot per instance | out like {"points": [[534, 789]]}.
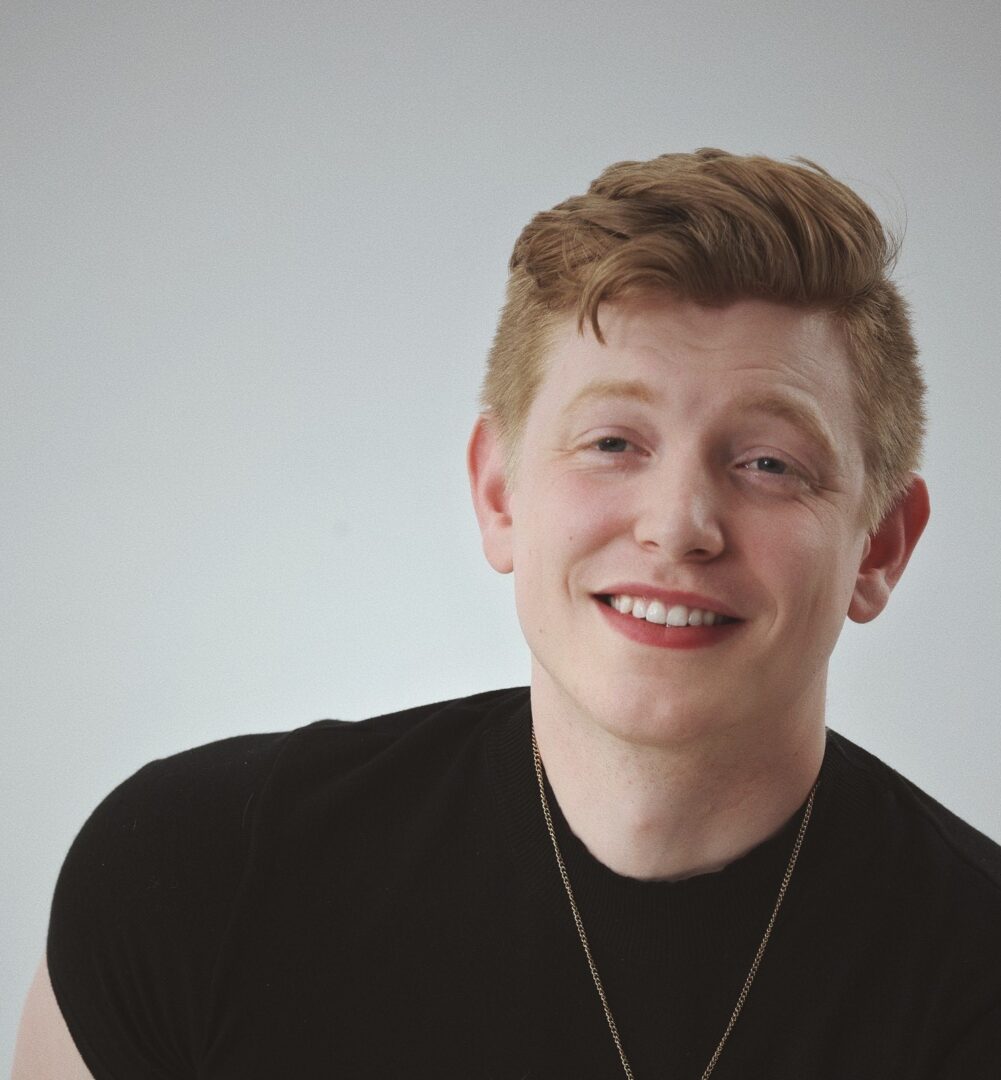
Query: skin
{"points": [[670, 762], [45, 1049]]}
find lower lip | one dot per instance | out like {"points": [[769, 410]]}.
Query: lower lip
{"points": [[666, 637]]}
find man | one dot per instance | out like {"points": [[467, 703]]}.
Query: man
{"points": [[701, 419]]}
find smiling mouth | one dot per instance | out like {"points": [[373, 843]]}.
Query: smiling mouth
{"points": [[661, 614]]}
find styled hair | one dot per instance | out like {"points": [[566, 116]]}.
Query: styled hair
{"points": [[713, 227]]}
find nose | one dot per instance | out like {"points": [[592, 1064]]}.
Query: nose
{"points": [[679, 513]]}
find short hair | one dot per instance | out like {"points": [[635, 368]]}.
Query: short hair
{"points": [[713, 228]]}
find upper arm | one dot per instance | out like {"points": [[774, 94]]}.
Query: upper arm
{"points": [[45, 1049], [140, 911]]}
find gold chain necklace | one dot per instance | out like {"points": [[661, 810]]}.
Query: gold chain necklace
{"points": [[578, 922]]}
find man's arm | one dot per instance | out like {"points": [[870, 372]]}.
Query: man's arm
{"points": [[45, 1050]]}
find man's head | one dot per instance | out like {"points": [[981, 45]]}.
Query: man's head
{"points": [[714, 228]]}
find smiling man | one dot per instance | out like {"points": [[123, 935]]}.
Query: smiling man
{"points": [[702, 416], [686, 527]]}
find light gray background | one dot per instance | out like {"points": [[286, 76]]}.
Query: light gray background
{"points": [[253, 256]]}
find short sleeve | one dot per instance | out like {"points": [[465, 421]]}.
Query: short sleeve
{"points": [[142, 904]]}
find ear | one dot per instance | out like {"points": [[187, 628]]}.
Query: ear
{"points": [[888, 549], [486, 462]]}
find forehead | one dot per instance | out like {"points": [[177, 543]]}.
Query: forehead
{"points": [[681, 355]]}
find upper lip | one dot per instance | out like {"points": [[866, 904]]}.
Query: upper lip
{"points": [[670, 597]]}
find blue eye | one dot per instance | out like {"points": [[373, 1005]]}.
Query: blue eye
{"points": [[612, 445]]}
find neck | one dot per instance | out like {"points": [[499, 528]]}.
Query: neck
{"points": [[674, 810]]}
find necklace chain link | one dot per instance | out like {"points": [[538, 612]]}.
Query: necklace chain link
{"points": [[579, 923]]}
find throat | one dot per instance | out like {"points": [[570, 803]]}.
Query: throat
{"points": [[652, 815]]}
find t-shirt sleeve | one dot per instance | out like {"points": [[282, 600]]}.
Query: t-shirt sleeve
{"points": [[142, 904]]}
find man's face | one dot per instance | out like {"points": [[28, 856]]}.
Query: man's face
{"points": [[701, 461]]}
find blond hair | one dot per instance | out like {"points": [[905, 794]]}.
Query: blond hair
{"points": [[713, 227]]}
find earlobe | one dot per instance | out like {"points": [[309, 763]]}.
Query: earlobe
{"points": [[486, 463], [888, 548]]}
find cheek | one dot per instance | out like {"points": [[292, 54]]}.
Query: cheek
{"points": [[812, 568], [559, 526], [570, 511], [823, 574], [590, 505]]}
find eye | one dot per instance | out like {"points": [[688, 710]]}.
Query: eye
{"points": [[771, 465], [612, 444], [775, 466]]}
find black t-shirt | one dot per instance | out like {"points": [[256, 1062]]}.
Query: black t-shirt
{"points": [[380, 899]]}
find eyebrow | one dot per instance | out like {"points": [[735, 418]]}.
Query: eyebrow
{"points": [[800, 416], [630, 389]]}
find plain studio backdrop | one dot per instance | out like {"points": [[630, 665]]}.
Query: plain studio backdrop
{"points": [[253, 259]]}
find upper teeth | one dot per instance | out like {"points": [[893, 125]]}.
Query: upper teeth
{"points": [[656, 612]]}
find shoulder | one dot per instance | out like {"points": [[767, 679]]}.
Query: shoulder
{"points": [[209, 795], [194, 813], [206, 800], [424, 731], [198, 801], [361, 770], [911, 896], [925, 884], [143, 899], [156, 876], [930, 835]]}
